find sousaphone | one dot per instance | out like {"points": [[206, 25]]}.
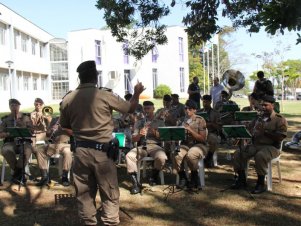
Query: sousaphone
{"points": [[233, 80]]}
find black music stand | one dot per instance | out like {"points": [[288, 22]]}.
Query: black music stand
{"points": [[173, 134], [239, 132], [24, 135]]}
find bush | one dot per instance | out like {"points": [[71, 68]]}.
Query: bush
{"points": [[161, 90]]}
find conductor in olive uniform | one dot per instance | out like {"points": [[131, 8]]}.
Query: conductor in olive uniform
{"points": [[87, 111], [10, 147], [268, 132]]}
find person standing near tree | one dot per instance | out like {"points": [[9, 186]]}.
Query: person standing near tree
{"points": [[263, 86], [215, 91], [194, 91], [87, 111]]}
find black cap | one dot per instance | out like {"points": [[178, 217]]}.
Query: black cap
{"points": [[148, 103], [174, 95], [14, 101], [225, 93], [191, 104], [39, 100], [86, 66], [268, 98], [167, 97], [207, 97]]}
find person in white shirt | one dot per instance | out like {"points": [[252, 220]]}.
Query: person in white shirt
{"points": [[215, 91]]}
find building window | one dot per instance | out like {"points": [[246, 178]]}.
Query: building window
{"points": [[4, 80], [42, 49], [181, 49], [35, 83], [19, 81], [59, 89], [100, 79], [16, 38], [182, 80], [59, 71], [155, 55], [26, 83], [155, 78], [98, 52], [24, 40], [126, 57], [58, 52], [128, 87], [43, 83], [2, 34], [33, 46]]}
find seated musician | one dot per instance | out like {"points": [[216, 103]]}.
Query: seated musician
{"points": [[178, 107], [146, 132], [166, 114], [268, 131], [40, 121], [11, 147], [253, 103], [213, 125], [59, 143], [193, 148], [227, 118]]}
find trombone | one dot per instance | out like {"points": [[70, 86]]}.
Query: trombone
{"points": [[47, 111]]}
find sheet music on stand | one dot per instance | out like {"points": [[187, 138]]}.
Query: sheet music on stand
{"points": [[236, 131], [230, 108], [19, 132], [203, 114], [245, 115], [172, 133]]}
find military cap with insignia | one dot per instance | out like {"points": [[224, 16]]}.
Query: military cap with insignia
{"points": [[167, 97], [14, 101], [268, 98], [39, 100]]}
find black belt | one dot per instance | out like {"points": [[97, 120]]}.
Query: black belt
{"points": [[90, 144]]}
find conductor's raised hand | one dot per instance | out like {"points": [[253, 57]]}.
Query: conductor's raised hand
{"points": [[139, 88]]}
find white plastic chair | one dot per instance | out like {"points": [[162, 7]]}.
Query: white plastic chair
{"points": [[269, 177], [144, 161], [201, 172]]}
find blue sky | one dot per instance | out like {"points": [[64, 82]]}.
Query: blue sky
{"points": [[59, 17]]}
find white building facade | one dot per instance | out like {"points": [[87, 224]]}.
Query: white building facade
{"points": [[167, 64], [24, 60], [35, 64]]}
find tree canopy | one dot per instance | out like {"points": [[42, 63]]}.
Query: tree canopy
{"points": [[201, 20]]}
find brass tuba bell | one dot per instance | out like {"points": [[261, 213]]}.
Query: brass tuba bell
{"points": [[233, 80], [47, 110]]}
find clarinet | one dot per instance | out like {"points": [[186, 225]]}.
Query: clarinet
{"points": [[54, 128], [144, 138]]}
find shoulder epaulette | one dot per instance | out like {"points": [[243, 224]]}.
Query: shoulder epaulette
{"points": [[70, 91], [105, 89], [278, 115]]}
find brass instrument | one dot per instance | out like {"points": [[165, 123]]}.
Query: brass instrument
{"points": [[47, 111], [233, 80]]}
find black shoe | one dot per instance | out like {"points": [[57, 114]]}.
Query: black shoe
{"points": [[65, 181], [153, 180], [136, 188], [43, 181], [240, 181], [183, 182], [194, 182], [259, 188]]}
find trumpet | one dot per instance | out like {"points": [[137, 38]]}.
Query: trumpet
{"points": [[47, 111]]}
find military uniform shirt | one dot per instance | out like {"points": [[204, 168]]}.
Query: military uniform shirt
{"points": [[198, 124], [23, 121], [276, 123], [88, 100]]}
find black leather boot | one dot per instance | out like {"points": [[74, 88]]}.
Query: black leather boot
{"points": [[65, 180], [136, 188], [260, 187], [44, 179], [17, 177], [194, 182], [241, 181], [208, 161], [183, 180], [153, 180]]}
